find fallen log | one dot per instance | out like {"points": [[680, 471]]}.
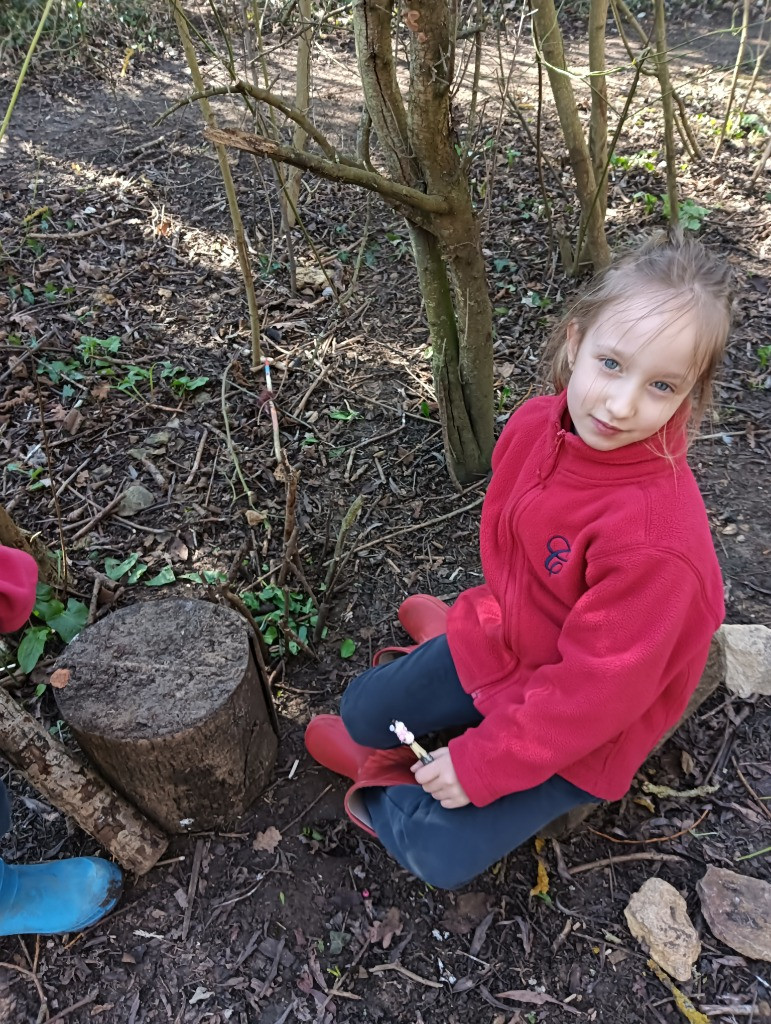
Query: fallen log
{"points": [[74, 787]]}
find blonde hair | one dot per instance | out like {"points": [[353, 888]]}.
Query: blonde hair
{"points": [[679, 266]]}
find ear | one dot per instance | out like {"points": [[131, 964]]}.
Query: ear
{"points": [[574, 340]]}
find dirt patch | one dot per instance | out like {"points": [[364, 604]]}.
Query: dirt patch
{"points": [[135, 245]]}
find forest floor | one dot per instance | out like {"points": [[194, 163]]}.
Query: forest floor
{"points": [[113, 226]]}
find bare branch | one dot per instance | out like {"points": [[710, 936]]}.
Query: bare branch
{"points": [[264, 96], [390, 191]]}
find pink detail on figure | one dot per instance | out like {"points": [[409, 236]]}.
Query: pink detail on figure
{"points": [[406, 737]]}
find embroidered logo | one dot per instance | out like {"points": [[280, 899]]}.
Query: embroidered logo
{"points": [[559, 549]]}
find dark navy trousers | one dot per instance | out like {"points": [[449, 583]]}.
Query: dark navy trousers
{"points": [[446, 848]]}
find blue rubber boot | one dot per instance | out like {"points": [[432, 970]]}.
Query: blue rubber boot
{"points": [[58, 896]]}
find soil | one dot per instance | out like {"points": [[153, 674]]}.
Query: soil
{"points": [[114, 226]]}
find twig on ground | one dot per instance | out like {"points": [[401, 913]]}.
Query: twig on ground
{"points": [[98, 518], [622, 858], [191, 889], [758, 802], [305, 810], [418, 526], [379, 968], [655, 839], [36, 981], [90, 998], [198, 457]]}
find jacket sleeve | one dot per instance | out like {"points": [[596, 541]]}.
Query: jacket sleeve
{"points": [[638, 625], [18, 577]]}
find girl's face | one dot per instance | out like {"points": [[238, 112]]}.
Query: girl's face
{"points": [[631, 371]]}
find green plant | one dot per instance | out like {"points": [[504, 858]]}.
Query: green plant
{"points": [[345, 415], [764, 356], [34, 475], [347, 648], [535, 301], [283, 624], [90, 349], [66, 621], [692, 215]]}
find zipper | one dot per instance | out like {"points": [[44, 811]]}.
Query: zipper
{"points": [[548, 466]]}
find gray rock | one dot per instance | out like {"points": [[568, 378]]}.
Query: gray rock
{"points": [[748, 659], [657, 916], [737, 909], [135, 499]]}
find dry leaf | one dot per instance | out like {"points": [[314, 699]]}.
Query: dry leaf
{"points": [[267, 840], [101, 390], [384, 931], [254, 518], [60, 678], [524, 995], [72, 421]]}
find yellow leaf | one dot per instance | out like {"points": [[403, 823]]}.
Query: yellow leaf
{"points": [[646, 802], [684, 1004]]}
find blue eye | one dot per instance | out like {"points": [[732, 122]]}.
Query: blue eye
{"points": [[662, 386], [610, 364]]}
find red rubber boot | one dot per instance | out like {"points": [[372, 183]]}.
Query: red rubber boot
{"points": [[328, 742], [423, 617]]}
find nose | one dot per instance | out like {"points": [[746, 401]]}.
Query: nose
{"points": [[621, 400]]}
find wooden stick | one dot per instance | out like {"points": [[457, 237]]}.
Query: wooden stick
{"points": [[74, 787]]}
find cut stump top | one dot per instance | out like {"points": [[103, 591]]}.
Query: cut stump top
{"points": [[154, 668]]}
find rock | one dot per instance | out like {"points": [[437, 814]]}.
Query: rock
{"points": [[737, 909], [748, 659], [135, 499], [657, 916]]}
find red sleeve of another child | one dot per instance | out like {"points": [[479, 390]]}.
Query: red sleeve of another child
{"points": [[18, 577]]}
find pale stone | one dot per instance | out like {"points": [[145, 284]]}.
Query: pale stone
{"points": [[748, 659], [135, 499], [737, 909], [657, 916]]}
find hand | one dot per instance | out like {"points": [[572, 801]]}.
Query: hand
{"points": [[439, 779]]}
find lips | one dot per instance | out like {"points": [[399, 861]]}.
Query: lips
{"points": [[604, 428]]}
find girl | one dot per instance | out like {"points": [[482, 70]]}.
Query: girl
{"points": [[601, 593], [63, 895]]}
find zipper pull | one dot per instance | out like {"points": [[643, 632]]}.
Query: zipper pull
{"points": [[549, 464]]}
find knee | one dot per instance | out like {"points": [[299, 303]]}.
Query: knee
{"points": [[357, 720], [440, 876]]}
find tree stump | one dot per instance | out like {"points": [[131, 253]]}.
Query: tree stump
{"points": [[166, 698]]}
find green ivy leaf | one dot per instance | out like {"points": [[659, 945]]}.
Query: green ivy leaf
{"points": [[347, 648], [166, 575], [71, 620], [31, 647], [114, 569]]}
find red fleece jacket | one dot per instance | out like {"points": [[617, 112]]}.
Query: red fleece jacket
{"points": [[18, 576], [593, 627]]}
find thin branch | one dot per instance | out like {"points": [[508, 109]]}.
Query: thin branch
{"points": [[735, 76], [241, 88], [390, 191]]}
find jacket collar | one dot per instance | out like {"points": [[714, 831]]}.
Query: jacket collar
{"points": [[662, 453]]}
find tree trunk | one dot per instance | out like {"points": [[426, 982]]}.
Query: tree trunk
{"points": [[419, 149], [166, 698], [598, 121], [662, 71], [301, 102], [553, 54], [72, 785]]}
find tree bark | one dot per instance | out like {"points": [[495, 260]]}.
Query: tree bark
{"points": [[74, 787], [598, 121], [188, 737], [419, 148], [662, 71], [302, 103], [553, 54]]}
